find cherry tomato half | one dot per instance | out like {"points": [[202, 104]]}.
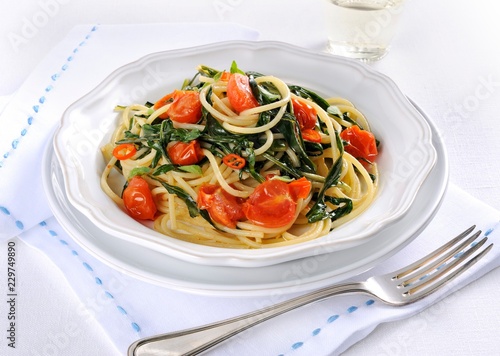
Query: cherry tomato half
{"points": [[300, 188], [185, 106], [138, 199], [225, 76], [360, 143], [124, 151], [222, 207], [305, 114], [185, 153], [239, 93], [270, 205], [234, 161], [311, 135]]}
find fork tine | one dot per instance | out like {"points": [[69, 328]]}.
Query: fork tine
{"points": [[431, 275], [405, 271], [436, 261], [442, 277]]}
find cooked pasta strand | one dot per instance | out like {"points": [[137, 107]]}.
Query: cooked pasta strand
{"points": [[247, 135]]}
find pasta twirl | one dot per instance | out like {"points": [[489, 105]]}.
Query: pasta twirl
{"points": [[243, 160]]}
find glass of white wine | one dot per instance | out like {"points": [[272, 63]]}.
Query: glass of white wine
{"points": [[361, 29]]}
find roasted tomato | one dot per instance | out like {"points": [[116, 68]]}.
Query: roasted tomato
{"points": [[300, 188], [138, 199], [311, 135], [306, 115], [360, 143], [185, 154], [239, 93], [222, 207], [274, 202], [185, 106]]}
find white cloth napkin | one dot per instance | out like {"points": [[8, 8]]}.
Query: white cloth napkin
{"points": [[128, 308]]}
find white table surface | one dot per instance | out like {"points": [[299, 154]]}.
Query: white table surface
{"points": [[446, 58]]}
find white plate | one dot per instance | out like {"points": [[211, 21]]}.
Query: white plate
{"points": [[293, 276], [406, 158]]}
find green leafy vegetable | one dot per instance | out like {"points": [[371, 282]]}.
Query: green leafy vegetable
{"points": [[319, 210], [192, 169], [163, 169], [188, 200], [234, 68], [289, 127], [138, 171]]}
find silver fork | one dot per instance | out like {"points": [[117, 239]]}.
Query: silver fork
{"points": [[402, 287]]}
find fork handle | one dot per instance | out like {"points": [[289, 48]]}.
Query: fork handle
{"points": [[197, 340]]}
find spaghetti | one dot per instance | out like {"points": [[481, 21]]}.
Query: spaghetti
{"points": [[243, 160]]}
